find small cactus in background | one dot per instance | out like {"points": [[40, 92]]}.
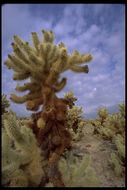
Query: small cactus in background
{"points": [[103, 114], [122, 109], [74, 119], [115, 122], [122, 115], [109, 125], [5, 103], [70, 98]]}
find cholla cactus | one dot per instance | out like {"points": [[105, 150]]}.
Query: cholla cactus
{"points": [[103, 114], [5, 103], [21, 156], [70, 98], [122, 114], [96, 123], [42, 65], [108, 125], [73, 115], [116, 164], [117, 159], [74, 119], [119, 140], [78, 173], [75, 122], [115, 122], [122, 109]]}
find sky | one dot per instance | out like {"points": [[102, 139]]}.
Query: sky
{"points": [[98, 29]]}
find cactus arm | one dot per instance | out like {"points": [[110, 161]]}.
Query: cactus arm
{"points": [[28, 86], [11, 65], [79, 69], [20, 100], [36, 40], [20, 53], [21, 76], [59, 86], [47, 36]]}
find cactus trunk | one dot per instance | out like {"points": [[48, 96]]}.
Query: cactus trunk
{"points": [[53, 138]]}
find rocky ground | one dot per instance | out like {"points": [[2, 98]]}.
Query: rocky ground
{"points": [[100, 151]]}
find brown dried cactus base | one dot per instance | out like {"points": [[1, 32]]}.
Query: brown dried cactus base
{"points": [[54, 138]]}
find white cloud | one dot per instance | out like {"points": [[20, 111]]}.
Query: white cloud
{"points": [[71, 21]]}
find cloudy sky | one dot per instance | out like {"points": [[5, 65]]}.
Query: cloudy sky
{"points": [[98, 29]]}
